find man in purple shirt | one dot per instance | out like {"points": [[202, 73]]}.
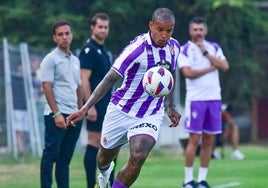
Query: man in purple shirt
{"points": [[132, 115]]}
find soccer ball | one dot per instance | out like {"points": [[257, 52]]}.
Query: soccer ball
{"points": [[158, 81]]}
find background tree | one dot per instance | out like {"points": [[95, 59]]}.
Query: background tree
{"points": [[239, 26]]}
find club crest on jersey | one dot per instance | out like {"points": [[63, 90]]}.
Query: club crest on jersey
{"points": [[149, 51], [87, 50], [165, 64]]}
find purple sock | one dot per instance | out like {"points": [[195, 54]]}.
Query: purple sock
{"points": [[118, 184]]}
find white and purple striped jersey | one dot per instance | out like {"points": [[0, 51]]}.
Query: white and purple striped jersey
{"points": [[139, 56], [206, 87]]}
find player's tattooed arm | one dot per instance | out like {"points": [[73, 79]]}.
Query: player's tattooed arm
{"points": [[107, 82]]}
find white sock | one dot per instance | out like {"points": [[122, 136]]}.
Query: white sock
{"points": [[188, 174], [202, 174], [104, 168]]}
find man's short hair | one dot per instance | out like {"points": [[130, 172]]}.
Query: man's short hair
{"points": [[163, 14], [198, 20], [58, 24], [100, 15]]}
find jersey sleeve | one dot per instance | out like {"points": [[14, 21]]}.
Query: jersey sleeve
{"points": [[47, 68], [219, 53], [127, 58], [87, 58], [183, 61]]}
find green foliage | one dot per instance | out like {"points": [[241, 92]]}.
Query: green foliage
{"points": [[163, 168], [235, 24]]}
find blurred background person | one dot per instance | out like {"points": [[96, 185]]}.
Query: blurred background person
{"points": [[230, 132], [200, 63], [60, 73], [20, 111], [95, 63]]}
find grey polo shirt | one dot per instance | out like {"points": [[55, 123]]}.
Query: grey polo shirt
{"points": [[64, 72]]}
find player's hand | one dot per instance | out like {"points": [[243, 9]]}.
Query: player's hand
{"points": [[75, 117], [200, 43], [174, 117], [60, 122], [211, 68], [92, 114]]}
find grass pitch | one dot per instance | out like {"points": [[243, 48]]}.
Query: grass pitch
{"points": [[163, 169]]}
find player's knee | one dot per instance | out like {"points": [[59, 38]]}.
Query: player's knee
{"points": [[138, 158], [102, 158]]}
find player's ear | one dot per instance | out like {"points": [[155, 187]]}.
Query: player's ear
{"points": [[54, 38], [206, 31], [151, 25]]}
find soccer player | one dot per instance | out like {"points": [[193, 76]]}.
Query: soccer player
{"points": [[60, 71], [132, 115], [20, 111], [200, 62], [231, 131], [95, 63]]}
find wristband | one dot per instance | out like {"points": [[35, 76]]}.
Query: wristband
{"points": [[56, 114], [205, 53]]}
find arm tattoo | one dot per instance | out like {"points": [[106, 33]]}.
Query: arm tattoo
{"points": [[103, 87]]}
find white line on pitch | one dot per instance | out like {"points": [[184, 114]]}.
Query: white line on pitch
{"points": [[231, 184]]}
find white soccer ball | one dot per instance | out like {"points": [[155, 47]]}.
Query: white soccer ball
{"points": [[158, 81]]}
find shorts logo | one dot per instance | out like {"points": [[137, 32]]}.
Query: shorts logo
{"points": [[104, 140], [145, 125], [194, 114]]}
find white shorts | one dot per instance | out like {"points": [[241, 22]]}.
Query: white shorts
{"points": [[21, 123], [119, 127]]}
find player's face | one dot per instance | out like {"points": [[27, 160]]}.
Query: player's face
{"points": [[161, 31], [63, 37], [198, 31], [101, 30]]}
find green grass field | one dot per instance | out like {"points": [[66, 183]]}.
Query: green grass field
{"points": [[163, 169]]}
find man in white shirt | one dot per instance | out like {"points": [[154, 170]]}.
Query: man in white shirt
{"points": [[200, 61]]}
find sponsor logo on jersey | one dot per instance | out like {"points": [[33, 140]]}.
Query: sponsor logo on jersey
{"points": [[165, 64]]}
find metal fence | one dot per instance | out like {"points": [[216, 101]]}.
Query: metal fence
{"points": [[20, 95]]}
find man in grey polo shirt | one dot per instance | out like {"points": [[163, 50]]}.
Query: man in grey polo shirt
{"points": [[60, 71]]}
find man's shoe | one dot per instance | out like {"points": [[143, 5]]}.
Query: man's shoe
{"points": [[103, 177], [216, 155], [190, 184], [237, 155], [202, 184]]}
